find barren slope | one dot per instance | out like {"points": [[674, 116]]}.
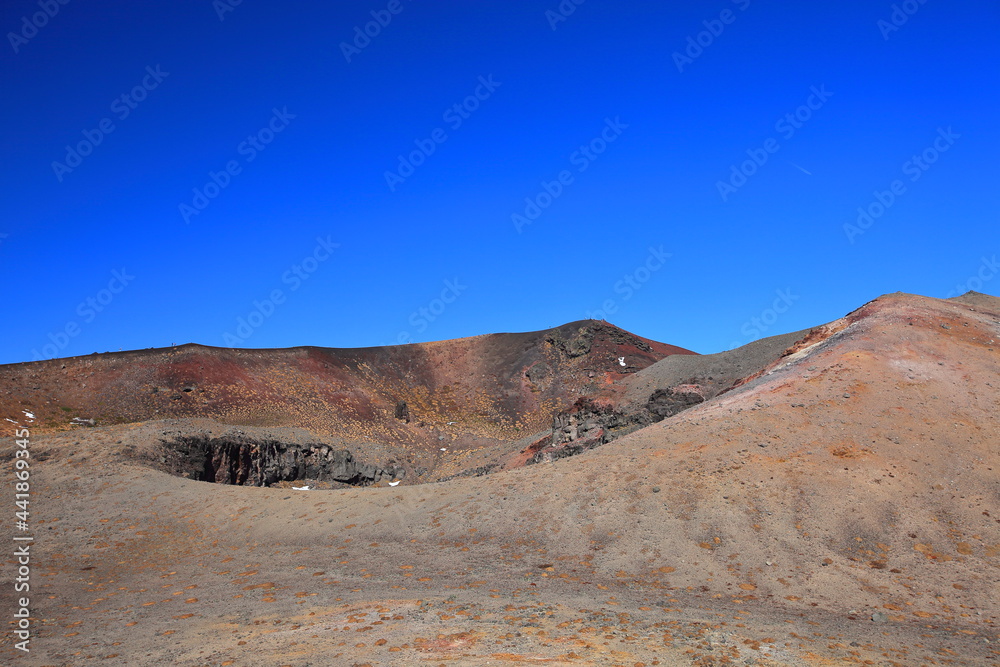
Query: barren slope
{"points": [[855, 479]]}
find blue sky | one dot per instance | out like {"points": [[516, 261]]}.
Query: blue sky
{"points": [[268, 175]]}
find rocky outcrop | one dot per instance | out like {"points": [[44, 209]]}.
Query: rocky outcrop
{"points": [[478, 471], [244, 462], [580, 342], [586, 426], [586, 422], [668, 402], [590, 424], [575, 345]]}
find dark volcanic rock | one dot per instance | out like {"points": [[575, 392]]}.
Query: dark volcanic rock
{"points": [[478, 471], [576, 345], [586, 426], [244, 462], [668, 402], [590, 424]]}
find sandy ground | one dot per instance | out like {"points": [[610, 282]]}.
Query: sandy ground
{"points": [[840, 508]]}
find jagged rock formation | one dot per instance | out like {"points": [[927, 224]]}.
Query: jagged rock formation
{"points": [[587, 425], [668, 402], [245, 462], [591, 423]]}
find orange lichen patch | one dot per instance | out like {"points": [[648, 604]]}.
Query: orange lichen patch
{"points": [[265, 586], [535, 660], [748, 587], [848, 451], [666, 569], [929, 552]]}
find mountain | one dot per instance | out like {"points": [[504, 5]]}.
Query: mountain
{"points": [[824, 497]]}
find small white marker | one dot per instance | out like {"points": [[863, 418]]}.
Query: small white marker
{"points": [[444, 449], [301, 488], [621, 361], [394, 483], [28, 414]]}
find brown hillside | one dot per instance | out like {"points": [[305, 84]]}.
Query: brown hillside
{"points": [[837, 505]]}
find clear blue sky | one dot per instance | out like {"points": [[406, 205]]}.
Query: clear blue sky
{"points": [[630, 125]]}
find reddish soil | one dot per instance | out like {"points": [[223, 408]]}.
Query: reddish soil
{"points": [[836, 505]]}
